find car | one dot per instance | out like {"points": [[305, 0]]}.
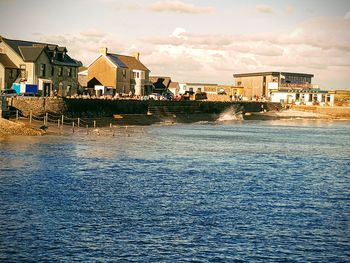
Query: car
{"points": [[154, 96], [8, 93]]}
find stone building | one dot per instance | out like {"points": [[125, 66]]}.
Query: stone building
{"points": [[261, 83], [122, 73], [46, 65]]}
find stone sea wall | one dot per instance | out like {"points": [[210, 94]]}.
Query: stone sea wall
{"points": [[106, 108]]}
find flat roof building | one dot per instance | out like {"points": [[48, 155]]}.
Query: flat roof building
{"points": [[260, 83]]}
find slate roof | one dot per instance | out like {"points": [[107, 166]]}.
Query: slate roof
{"points": [[126, 62], [163, 82], [30, 51], [6, 61]]}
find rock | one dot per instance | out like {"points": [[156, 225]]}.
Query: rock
{"points": [[13, 128]]}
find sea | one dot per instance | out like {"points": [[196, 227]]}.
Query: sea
{"points": [[231, 191]]}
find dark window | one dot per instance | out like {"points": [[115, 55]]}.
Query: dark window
{"points": [[60, 71], [60, 56], [42, 70], [69, 70], [52, 70]]}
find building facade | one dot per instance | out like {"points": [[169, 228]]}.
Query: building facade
{"points": [[46, 65], [307, 97], [262, 83], [123, 74]]}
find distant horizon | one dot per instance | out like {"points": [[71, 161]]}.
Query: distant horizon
{"points": [[196, 41]]}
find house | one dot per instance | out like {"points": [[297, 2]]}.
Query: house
{"points": [[122, 74], [174, 88], [303, 97], [261, 83], [160, 84], [46, 66]]}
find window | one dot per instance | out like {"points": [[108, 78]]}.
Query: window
{"points": [[124, 73], [23, 71], [134, 74], [52, 71], [69, 70], [239, 83], [142, 75], [60, 71], [60, 56], [42, 70]]}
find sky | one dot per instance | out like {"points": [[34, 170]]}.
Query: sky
{"points": [[196, 40]]}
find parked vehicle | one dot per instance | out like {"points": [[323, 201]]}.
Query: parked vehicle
{"points": [[8, 93]]}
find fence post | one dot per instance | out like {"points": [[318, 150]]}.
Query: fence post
{"points": [[58, 123], [16, 115], [30, 117], [87, 129], [73, 126], [94, 124], [47, 118], [78, 122], [62, 120]]}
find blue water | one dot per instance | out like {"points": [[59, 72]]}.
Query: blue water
{"points": [[251, 191]]}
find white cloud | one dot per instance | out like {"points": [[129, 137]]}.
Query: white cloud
{"points": [[347, 16], [264, 9], [179, 7], [92, 32], [318, 46], [84, 47]]}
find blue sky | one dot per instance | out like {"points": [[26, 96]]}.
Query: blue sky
{"points": [[201, 41]]}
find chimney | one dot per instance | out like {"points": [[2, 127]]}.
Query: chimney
{"points": [[103, 50], [137, 55]]}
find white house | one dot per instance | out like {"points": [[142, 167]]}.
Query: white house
{"points": [[303, 97]]}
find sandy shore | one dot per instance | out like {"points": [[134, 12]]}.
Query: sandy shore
{"points": [[330, 112], [15, 128]]}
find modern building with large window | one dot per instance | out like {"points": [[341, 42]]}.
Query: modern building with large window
{"points": [[46, 66], [262, 83]]}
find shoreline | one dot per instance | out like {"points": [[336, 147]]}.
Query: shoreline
{"points": [[22, 127]]}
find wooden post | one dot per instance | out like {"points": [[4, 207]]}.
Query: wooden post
{"points": [[87, 129], [73, 126], [47, 118], [30, 117], [78, 122], [16, 115], [62, 120], [58, 123], [94, 124]]}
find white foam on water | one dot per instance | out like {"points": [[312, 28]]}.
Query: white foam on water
{"points": [[231, 114]]}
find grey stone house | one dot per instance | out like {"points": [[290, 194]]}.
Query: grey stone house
{"points": [[46, 65]]}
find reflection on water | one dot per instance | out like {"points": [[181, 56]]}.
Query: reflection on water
{"points": [[244, 191]]}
